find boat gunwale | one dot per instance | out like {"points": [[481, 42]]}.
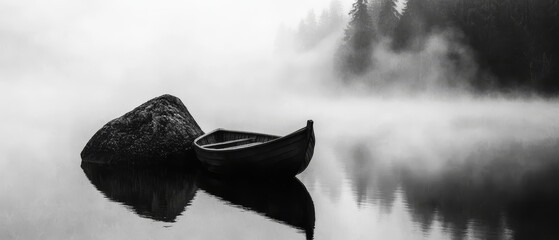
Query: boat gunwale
{"points": [[278, 138]]}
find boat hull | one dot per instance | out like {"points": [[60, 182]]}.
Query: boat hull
{"points": [[275, 156]]}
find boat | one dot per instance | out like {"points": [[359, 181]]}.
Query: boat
{"points": [[255, 154]]}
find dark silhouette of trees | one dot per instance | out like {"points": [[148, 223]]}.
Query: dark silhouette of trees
{"points": [[514, 40], [354, 56], [359, 32], [385, 16], [374, 11], [419, 20], [388, 17]]}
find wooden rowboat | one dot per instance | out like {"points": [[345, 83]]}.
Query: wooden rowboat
{"points": [[244, 153]]}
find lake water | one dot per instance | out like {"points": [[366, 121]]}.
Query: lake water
{"points": [[406, 152], [383, 168]]}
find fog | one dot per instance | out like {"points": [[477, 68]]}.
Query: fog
{"points": [[80, 64], [68, 67]]}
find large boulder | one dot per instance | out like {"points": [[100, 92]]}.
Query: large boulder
{"points": [[158, 132]]}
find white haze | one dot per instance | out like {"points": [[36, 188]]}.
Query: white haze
{"points": [[78, 64]]}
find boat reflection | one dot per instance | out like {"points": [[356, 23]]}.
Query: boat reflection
{"points": [[286, 201], [160, 194], [163, 194]]}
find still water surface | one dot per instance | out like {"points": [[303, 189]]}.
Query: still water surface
{"points": [[410, 170]]}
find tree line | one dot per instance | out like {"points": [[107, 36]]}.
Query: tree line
{"points": [[514, 40]]}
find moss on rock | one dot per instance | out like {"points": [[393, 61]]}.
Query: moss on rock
{"points": [[160, 131]]}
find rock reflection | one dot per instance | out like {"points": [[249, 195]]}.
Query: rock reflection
{"points": [[499, 193], [161, 194], [286, 201]]}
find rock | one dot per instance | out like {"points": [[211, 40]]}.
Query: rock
{"points": [[158, 132]]}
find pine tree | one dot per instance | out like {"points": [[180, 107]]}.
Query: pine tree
{"points": [[336, 14], [359, 32], [388, 17], [374, 11], [308, 30], [358, 40], [332, 19]]}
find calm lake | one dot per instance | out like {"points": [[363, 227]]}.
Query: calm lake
{"points": [[406, 148], [383, 168]]}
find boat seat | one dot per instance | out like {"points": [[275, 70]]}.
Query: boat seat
{"points": [[231, 143], [242, 146]]}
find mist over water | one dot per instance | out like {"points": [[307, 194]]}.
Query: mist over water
{"points": [[391, 147]]}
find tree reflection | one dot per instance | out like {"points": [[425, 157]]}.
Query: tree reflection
{"points": [[497, 192], [372, 182]]}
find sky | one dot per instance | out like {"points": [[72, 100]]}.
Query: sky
{"points": [[94, 60], [101, 44], [80, 27]]}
